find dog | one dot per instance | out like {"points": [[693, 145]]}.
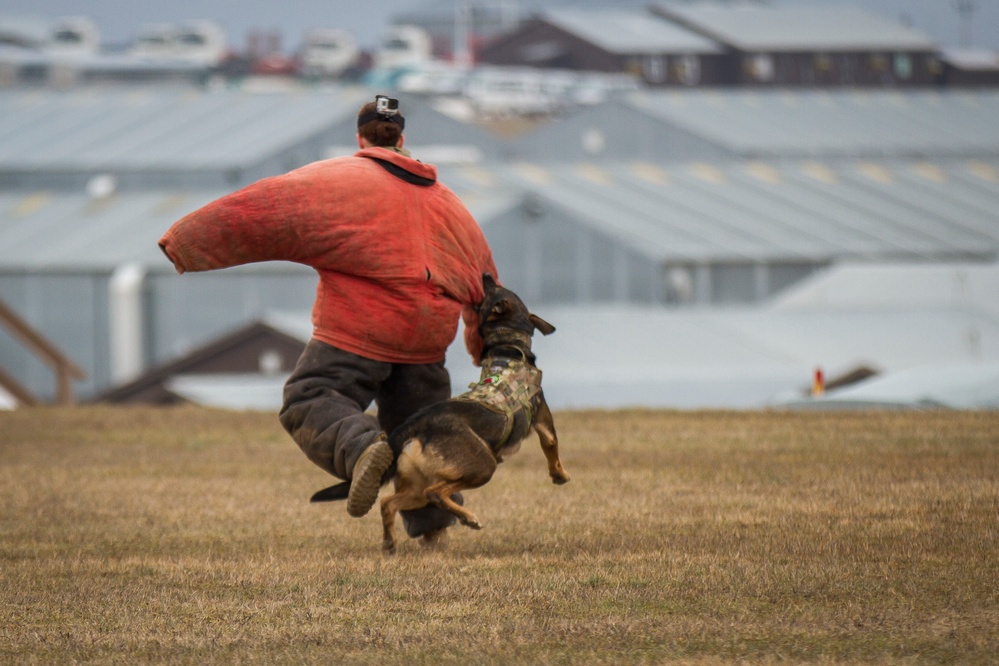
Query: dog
{"points": [[457, 444]]}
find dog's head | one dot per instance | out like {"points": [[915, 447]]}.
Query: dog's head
{"points": [[504, 320]]}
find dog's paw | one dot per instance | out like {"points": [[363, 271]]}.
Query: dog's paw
{"points": [[388, 547], [473, 523], [561, 477]]}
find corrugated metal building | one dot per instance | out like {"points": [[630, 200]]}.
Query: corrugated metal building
{"points": [[690, 125], [613, 40], [720, 222], [782, 46], [752, 44]]}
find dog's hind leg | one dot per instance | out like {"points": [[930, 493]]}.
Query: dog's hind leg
{"points": [[400, 501], [440, 494], [544, 425]]}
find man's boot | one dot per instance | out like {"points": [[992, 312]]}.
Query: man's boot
{"points": [[366, 478]]}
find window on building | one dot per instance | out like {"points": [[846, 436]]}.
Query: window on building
{"points": [[654, 69], [903, 66], [688, 70], [760, 67]]}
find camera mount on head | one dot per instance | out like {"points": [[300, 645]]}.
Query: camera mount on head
{"points": [[386, 109]]}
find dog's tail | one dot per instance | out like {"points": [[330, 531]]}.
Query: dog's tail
{"points": [[333, 493]]}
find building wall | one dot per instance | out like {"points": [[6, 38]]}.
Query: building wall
{"points": [[70, 309], [541, 44], [957, 77], [834, 69], [187, 311], [548, 256], [73, 310]]}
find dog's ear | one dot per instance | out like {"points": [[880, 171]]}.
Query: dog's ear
{"points": [[541, 325], [488, 282]]}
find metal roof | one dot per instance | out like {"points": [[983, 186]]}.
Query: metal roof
{"points": [[952, 386], [743, 358], [929, 286], [755, 27], [69, 231], [853, 123], [756, 211], [739, 211], [172, 128], [626, 32]]}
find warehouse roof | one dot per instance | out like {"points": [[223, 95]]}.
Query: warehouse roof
{"points": [[853, 123], [755, 210], [757, 27], [624, 31], [76, 231], [734, 211], [168, 128]]}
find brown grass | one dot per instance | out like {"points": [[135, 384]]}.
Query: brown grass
{"points": [[185, 536]]}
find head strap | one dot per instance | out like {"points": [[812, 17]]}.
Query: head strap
{"points": [[366, 118]]}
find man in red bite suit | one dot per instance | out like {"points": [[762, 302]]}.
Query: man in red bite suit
{"points": [[399, 258]]}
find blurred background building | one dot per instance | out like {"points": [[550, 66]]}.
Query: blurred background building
{"points": [[709, 201]]}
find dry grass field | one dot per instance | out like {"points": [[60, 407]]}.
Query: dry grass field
{"points": [[184, 536]]}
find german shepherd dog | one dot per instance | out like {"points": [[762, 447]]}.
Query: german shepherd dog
{"points": [[457, 444]]}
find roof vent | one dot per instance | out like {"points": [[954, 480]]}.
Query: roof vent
{"points": [[101, 186]]}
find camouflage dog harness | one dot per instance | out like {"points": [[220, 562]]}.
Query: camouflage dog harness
{"points": [[506, 391]]}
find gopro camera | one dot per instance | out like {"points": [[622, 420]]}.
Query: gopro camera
{"points": [[386, 106]]}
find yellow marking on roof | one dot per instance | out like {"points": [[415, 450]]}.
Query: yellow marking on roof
{"points": [[28, 99], [984, 171], [707, 172], [675, 98], [31, 204], [138, 98], [930, 172], [534, 173], [969, 99], [593, 173], [479, 176], [169, 204], [763, 171], [820, 172], [875, 172], [651, 173], [82, 98], [861, 99], [99, 204]]}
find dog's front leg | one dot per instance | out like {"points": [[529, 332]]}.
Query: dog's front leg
{"points": [[544, 425], [406, 497], [388, 507]]}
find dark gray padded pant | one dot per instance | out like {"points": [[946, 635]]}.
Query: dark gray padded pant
{"points": [[326, 397]]}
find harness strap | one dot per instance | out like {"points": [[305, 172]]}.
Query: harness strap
{"points": [[506, 391]]}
